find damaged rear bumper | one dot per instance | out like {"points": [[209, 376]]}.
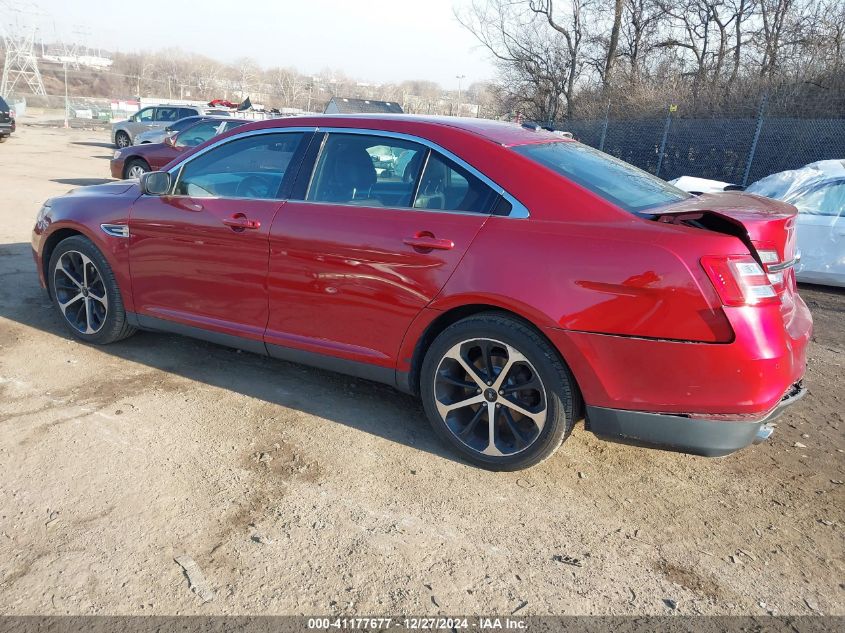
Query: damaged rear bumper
{"points": [[698, 436]]}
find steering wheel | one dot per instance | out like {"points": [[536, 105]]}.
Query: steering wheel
{"points": [[252, 187]]}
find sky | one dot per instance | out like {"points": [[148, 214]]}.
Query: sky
{"points": [[372, 42]]}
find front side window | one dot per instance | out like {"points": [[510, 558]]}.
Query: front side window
{"points": [[447, 186], [145, 115], [614, 180], [366, 170], [248, 167], [824, 200]]}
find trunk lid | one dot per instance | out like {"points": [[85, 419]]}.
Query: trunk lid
{"points": [[765, 226]]}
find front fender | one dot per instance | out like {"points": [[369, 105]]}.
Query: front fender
{"points": [[63, 220]]}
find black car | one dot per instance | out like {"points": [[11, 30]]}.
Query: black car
{"points": [[7, 121]]}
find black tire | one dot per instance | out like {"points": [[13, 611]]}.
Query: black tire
{"points": [[122, 140], [135, 164], [4, 138], [105, 318], [538, 382]]}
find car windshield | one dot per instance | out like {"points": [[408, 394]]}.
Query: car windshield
{"points": [[614, 180]]}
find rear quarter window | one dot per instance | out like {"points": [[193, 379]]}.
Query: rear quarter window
{"points": [[618, 182]]}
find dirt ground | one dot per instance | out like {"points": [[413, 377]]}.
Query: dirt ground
{"points": [[116, 460]]}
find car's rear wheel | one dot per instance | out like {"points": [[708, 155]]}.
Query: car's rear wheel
{"points": [[121, 139], [497, 392], [85, 292], [136, 168]]}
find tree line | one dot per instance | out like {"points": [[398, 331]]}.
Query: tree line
{"points": [[565, 59]]}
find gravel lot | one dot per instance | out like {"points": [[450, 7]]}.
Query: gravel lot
{"points": [[115, 461]]}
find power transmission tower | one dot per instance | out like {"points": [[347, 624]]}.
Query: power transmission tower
{"points": [[20, 66]]}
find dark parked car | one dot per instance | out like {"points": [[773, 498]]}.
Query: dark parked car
{"points": [[132, 161], [513, 279], [7, 120]]}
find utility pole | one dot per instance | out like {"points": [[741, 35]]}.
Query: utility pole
{"points": [[67, 105], [459, 78]]}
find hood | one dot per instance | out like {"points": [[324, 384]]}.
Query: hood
{"points": [[116, 188]]}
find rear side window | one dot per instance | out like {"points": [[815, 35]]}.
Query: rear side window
{"points": [[248, 167], [374, 171], [447, 186], [183, 112], [382, 171], [167, 114], [614, 180]]}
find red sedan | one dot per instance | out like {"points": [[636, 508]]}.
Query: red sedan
{"points": [[132, 161], [515, 280]]}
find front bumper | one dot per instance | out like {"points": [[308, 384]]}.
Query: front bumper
{"points": [[116, 167], [710, 438]]}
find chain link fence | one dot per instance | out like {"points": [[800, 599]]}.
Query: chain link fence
{"points": [[738, 149]]}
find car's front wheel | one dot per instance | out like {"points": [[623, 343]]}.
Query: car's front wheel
{"points": [[136, 168], [496, 391], [85, 292]]}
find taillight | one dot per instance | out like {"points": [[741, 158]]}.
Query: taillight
{"points": [[739, 280]]}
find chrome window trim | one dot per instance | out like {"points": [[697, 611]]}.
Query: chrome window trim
{"points": [[518, 210]]}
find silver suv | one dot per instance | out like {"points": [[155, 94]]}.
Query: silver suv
{"points": [[151, 118]]}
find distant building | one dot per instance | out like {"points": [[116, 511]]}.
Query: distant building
{"points": [[342, 105]]}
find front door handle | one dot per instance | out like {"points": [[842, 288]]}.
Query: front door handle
{"points": [[240, 222], [425, 241]]}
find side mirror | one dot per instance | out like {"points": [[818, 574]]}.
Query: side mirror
{"points": [[170, 140], [155, 183], [133, 118]]}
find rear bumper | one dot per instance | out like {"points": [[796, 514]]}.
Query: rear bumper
{"points": [[710, 438]]}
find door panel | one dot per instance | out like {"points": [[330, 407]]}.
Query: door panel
{"points": [[190, 261], [344, 282]]}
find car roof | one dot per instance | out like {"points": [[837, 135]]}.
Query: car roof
{"points": [[500, 132]]}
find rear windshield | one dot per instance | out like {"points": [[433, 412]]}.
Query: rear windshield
{"points": [[614, 180], [4, 107]]}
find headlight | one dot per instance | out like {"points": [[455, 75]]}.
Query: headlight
{"points": [[43, 211], [117, 153]]}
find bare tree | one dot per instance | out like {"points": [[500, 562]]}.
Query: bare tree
{"points": [[537, 49]]}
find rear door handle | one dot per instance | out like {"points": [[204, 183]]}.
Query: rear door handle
{"points": [[428, 243], [240, 221]]}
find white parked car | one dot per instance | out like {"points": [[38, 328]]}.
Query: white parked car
{"points": [[818, 192]]}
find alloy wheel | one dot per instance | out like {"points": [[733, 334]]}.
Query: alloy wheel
{"points": [[122, 140], [80, 292], [490, 397], [135, 171]]}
